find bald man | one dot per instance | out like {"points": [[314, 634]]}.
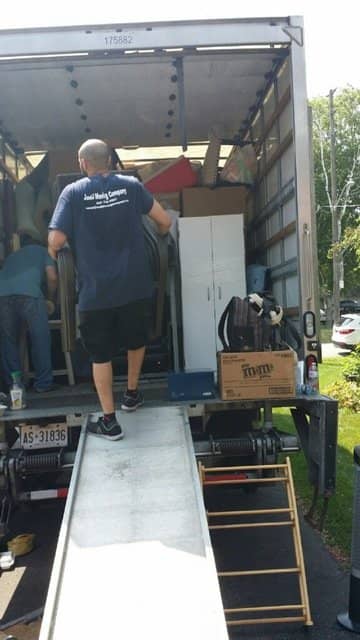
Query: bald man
{"points": [[100, 217]]}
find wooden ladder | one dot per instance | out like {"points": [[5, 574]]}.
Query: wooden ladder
{"points": [[215, 476]]}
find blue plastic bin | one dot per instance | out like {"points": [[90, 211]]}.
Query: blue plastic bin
{"points": [[191, 385]]}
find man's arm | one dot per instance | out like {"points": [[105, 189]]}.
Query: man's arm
{"points": [[56, 241], [160, 217], [51, 282]]}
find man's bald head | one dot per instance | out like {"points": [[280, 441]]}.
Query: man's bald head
{"points": [[94, 155]]}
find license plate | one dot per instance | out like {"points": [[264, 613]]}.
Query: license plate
{"points": [[33, 436]]}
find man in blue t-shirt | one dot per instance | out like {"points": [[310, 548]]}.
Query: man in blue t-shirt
{"points": [[100, 216], [22, 303]]}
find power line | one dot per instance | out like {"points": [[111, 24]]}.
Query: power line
{"points": [[338, 206]]}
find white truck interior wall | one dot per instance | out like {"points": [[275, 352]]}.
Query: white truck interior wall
{"points": [[2, 231], [285, 122], [62, 162], [283, 79], [290, 247], [291, 291], [272, 181], [274, 224], [277, 289], [288, 166], [289, 213], [273, 233], [269, 104]]}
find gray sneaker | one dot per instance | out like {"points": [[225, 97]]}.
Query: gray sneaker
{"points": [[131, 401], [110, 430]]}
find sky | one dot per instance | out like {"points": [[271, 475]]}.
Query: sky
{"points": [[331, 30]]}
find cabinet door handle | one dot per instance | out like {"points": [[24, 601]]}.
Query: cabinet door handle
{"points": [[219, 293], [208, 293]]}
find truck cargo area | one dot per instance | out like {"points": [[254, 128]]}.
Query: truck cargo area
{"points": [[161, 91]]}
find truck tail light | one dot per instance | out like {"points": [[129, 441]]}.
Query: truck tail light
{"points": [[310, 359], [309, 324]]}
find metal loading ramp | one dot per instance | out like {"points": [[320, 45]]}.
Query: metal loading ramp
{"points": [[134, 558]]}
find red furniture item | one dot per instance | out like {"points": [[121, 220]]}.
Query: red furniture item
{"points": [[173, 177]]}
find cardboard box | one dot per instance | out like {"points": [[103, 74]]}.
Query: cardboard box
{"points": [[256, 375], [202, 201], [169, 200], [151, 169], [62, 162]]}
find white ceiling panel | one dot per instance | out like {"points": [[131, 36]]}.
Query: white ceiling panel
{"points": [[130, 100]]}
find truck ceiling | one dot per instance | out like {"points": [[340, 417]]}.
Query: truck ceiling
{"points": [[55, 92]]}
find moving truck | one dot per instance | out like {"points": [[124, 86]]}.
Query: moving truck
{"points": [[174, 99]]}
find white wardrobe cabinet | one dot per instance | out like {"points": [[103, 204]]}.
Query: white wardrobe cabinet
{"points": [[212, 259]]}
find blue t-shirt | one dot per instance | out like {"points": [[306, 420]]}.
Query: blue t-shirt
{"points": [[23, 272], [101, 217]]}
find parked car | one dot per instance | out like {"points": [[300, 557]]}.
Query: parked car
{"points": [[323, 316], [347, 333], [349, 306]]}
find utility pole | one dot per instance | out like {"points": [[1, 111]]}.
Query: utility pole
{"points": [[335, 214]]}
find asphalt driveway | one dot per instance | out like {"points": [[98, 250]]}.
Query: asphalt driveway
{"points": [[329, 350]]}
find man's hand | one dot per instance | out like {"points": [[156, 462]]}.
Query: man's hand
{"points": [[56, 240], [50, 307], [52, 253], [51, 281]]}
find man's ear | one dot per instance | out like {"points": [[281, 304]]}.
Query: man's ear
{"points": [[83, 166]]}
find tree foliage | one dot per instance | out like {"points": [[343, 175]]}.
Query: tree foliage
{"points": [[347, 153], [351, 241]]}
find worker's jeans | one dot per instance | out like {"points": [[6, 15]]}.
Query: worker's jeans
{"points": [[16, 314]]}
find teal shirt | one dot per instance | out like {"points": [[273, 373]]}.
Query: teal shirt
{"points": [[23, 272]]}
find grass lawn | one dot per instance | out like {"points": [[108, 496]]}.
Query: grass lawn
{"points": [[338, 523]]}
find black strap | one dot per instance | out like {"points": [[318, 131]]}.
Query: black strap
{"points": [[163, 272], [67, 298], [293, 332], [158, 251], [221, 326]]}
